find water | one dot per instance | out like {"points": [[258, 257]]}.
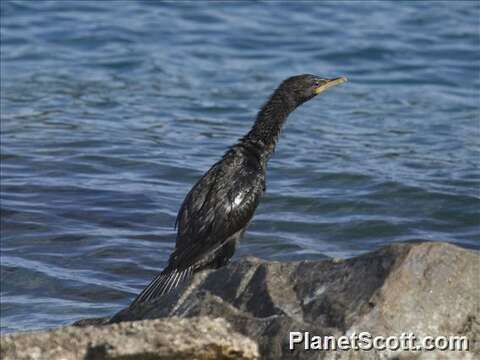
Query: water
{"points": [[111, 111]]}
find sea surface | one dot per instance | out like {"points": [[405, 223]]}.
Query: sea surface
{"points": [[111, 110]]}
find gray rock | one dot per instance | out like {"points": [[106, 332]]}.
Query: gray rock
{"points": [[429, 289], [197, 338]]}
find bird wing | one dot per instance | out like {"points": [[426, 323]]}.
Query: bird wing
{"points": [[220, 204]]}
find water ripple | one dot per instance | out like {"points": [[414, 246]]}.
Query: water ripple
{"points": [[111, 113]]}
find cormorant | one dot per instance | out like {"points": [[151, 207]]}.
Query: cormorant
{"points": [[219, 207]]}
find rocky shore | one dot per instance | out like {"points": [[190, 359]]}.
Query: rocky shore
{"points": [[196, 338], [247, 309]]}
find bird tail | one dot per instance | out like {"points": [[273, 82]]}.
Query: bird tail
{"points": [[162, 284]]}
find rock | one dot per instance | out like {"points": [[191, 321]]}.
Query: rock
{"points": [[196, 338], [428, 289]]}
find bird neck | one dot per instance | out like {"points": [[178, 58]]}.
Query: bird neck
{"points": [[269, 122]]}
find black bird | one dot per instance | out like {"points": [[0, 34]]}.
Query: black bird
{"points": [[219, 207]]}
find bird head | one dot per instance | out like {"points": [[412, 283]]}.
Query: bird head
{"points": [[301, 88]]}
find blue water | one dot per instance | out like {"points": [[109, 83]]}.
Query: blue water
{"points": [[110, 111]]}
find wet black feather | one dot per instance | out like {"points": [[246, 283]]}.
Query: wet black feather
{"points": [[219, 207]]}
